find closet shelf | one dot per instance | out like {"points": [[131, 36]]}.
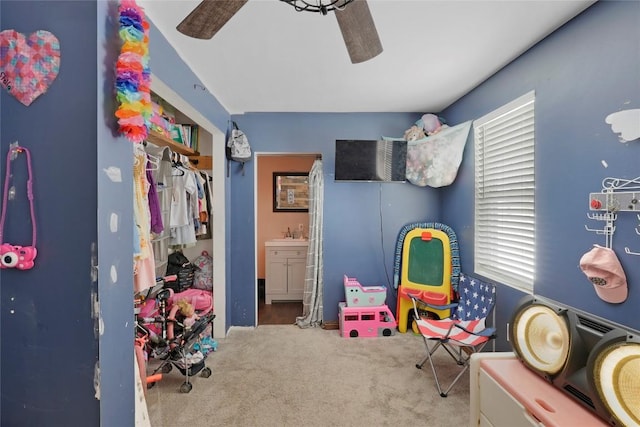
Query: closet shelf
{"points": [[202, 162], [162, 141]]}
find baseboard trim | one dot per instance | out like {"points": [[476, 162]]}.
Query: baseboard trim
{"points": [[331, 325], [235, 328]]}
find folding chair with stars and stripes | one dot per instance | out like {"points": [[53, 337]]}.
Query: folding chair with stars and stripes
{"points": [[462, 334]]}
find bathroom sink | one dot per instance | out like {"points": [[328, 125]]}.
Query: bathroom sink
{"points": [[288, 239]]}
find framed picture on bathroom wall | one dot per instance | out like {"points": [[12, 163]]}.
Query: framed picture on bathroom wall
{"points": [[291, 192]]}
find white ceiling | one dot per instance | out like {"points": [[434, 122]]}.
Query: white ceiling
{"points": [[270, 58]]}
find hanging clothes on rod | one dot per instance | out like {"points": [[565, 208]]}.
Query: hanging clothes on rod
{"points": [[161, 183], [144, 262], [205, 207], [183, 211], [184, 204]]}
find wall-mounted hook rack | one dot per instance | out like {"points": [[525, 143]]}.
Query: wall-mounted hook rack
{"points": [[608, 229], [617, 195], [622, 201], [607, 206]]}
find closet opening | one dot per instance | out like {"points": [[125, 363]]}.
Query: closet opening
{"points": [[208, 156]]}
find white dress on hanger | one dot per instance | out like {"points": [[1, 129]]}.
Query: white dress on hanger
{"points": [[184, 191], [144, 262]]}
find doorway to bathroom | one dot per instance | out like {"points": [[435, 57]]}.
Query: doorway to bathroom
{"points": [[275, 225]]}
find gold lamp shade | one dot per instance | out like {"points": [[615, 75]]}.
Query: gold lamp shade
{"points": [[617, 379], [542, 339]]}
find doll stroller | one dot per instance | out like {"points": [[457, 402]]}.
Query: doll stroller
{"points": [[166, 336], [151, 309], [182, 355]]}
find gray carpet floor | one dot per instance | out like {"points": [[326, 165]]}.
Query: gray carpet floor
{"points": [[281, 375]]}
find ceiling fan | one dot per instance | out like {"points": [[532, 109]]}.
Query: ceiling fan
{"points": [[354, 19]]}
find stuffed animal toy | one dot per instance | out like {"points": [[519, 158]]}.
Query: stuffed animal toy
{"points": [[189, 313], [186, 310], [414, 133], [430, 124]]}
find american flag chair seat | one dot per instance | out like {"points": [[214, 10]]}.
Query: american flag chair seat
{"points": [[462, 334]]}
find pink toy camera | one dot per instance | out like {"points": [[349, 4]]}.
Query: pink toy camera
{"points": [[20, 257]]}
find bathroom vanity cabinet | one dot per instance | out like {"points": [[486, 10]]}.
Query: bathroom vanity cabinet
{"points": [[285, 267]]}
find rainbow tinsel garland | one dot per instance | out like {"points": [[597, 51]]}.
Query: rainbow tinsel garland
{"points": [[133, 80]]}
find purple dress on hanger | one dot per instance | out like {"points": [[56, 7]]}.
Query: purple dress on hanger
{"points": [[154, 206]]}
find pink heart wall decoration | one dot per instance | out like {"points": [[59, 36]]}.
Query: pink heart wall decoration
{"points": [[28, 65]]}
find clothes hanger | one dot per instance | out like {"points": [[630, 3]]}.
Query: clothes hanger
{"points": [[153, 162], [152, 159], [176, 164], [177, 168], [191, 166]]}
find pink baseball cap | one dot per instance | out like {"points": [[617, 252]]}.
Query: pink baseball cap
{"points": [[603, 269]]}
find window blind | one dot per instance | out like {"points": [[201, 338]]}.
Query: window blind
{"points": [[504, 242]]}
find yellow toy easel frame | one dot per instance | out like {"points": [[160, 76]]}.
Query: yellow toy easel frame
{"points": [[426, 270]]}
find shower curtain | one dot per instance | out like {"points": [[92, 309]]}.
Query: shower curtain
{"points": [[314, 282]]}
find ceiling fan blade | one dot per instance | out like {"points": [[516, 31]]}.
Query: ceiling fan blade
{"points": [[208, 17], [359, 31]]}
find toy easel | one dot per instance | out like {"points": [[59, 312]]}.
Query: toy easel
{"points": [[429, 252]]}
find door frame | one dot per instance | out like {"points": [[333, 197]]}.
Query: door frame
{"points": [[257, 156]]}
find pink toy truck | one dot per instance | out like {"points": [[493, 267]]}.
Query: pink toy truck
{"points": [[366, 321]]}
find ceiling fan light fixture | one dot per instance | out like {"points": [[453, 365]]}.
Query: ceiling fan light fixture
{"points": [[320, 6], [355, 22], [354, 19]]}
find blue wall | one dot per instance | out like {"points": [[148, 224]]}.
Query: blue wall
{"points": [[113, 246], [354, 213], [49, 346], [581, 73]]}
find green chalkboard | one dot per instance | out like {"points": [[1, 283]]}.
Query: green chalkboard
{"points": [[426, 262]]}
